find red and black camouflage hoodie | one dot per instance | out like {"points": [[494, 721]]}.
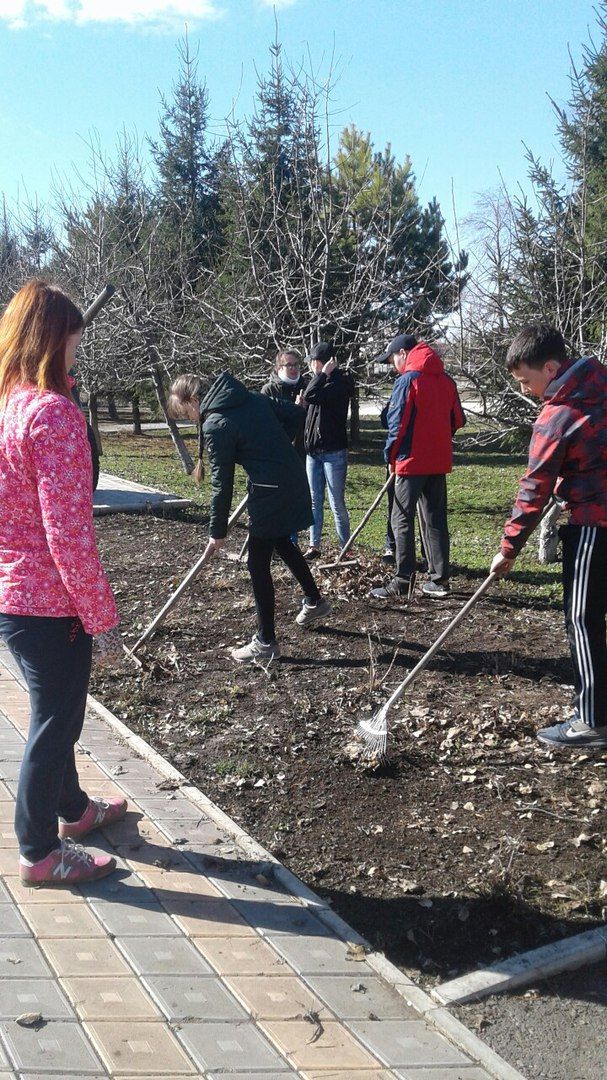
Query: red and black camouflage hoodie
{"points": [[567, 454]]}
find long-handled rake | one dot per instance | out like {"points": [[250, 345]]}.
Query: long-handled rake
{"points": [[105, 295], [374, 732], [359, 528], [188, 579]]}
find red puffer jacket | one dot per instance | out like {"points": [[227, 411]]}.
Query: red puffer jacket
{"points": [[423, 415]]}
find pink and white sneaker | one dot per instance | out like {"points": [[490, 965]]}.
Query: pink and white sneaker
{"points": [[69, 864], [98, 813]]}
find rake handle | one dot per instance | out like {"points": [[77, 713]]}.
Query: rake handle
{"points": [[359, 528], [97, 304], [191, 574], [426, 658]]}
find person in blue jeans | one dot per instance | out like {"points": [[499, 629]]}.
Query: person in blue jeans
{"points": [[327, 398]]}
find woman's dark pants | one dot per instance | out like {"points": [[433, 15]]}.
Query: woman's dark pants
{"points": [[54, 656], [259, 559]]}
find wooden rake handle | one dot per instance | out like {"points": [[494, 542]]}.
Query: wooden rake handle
{"points": [[97, 304], [359, 528], [426, 658], [188, 579]]}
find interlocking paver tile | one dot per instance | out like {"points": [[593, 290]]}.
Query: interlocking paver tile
{"points": [[110, 998], [171, 883], [58, 1046], [158, 809], [271, 919], [461, 1073], [135, 1048], [21, 958], [62, 920], [365, 1074], [5, 896], [4, 792], [195, 997], [135, 828], [134, 920], [254, 891], [47, 894], [104, 788], [406, 1042], [164, 956], [8, 839], [11, 923], [206, 916], [9, 770], [19, 996], [7, 811], [242, 956], [123, 887], [3, 1058], [66, 1076], [319, 956], [282, 1075], [325, 1046], [354, 999], [147, 860], [275, 997], [228, 1047], [83, 956]]}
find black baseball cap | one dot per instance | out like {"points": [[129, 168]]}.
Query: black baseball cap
{"points": [[323, 351], [401, 341]]}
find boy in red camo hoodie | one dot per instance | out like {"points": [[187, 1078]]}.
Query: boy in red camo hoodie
{"points": [[568, 456]]}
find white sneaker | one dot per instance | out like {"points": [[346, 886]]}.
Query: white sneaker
{"points": [[256, 650], [311, 613]]}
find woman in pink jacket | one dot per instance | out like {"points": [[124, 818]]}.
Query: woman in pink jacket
{"points": [[54, 595]]}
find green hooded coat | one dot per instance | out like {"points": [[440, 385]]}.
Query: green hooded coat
{"points": [[241, 427]]}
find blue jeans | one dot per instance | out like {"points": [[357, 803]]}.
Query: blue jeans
{"points": [[328, 470], [54, 655]]}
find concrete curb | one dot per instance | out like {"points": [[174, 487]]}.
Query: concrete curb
{"points": [[437, 1015], [564, 955]]}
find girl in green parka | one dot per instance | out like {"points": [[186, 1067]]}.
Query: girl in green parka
{"points": [[241, 427]]}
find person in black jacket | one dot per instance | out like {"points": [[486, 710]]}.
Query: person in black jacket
{"points": [[286, 383], [241, 427], [327, 398]]}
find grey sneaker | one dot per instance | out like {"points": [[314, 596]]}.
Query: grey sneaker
{"points": [[256, 650], [436, 589], [392, 591], [311, 613], [575, 733]]}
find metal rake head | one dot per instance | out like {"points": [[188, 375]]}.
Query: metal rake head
{"points": [[374, 734]]}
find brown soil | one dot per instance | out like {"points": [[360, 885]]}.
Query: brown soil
{"points": [[473, 843]]}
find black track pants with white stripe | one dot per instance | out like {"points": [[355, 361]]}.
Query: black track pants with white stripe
{"points": [[585, 601]]}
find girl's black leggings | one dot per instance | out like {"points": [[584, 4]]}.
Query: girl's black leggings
{"points": [[259, 559]]}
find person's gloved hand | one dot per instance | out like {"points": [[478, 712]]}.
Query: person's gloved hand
{"points": [[107, 647]]}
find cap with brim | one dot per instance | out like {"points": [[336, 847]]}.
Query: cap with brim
{"points": [[401, 341], [323, 351]]}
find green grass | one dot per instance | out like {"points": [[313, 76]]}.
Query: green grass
{"points": [[481, 489]]}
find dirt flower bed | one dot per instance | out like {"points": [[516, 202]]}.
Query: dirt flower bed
{"points": [[473, 843]]}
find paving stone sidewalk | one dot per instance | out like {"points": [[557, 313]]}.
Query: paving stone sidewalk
{"points": [[188, 961]]}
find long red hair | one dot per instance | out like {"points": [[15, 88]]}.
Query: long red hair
{"points": [[34, 331]]}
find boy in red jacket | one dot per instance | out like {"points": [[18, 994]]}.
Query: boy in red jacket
{"points": [[423, 415], [568, 456]]}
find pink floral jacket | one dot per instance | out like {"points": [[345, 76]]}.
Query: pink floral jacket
{"points": [[49, 563]]}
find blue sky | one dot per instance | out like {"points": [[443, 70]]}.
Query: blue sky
{"points": [[459, 85]]}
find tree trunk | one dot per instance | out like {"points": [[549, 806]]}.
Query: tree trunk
{"points": [[94, 420], [355, 416], [180, 446], [136, 415], [112, 411]]}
